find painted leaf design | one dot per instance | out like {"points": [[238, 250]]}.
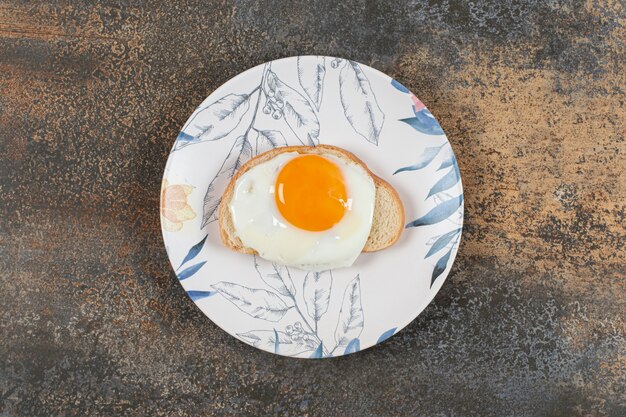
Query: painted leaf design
{"points": [[214, 121], [277, 341], [424, 122], [439, 213], [399, 86], [296, 110], [425, 158], [446, 182], [386, 335], [183, 140], [442, 241], [194, 251], [268, 139], [449, 161], [199, 295], [311, 77], [188, 272], [260, 304], [359, 102], [319, 352], [351, 320], [240, 152], [276, 276], [440, 266], [316, 291], [353, 346]]}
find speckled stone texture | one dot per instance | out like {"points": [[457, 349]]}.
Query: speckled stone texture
{"points": [[530, 321]]}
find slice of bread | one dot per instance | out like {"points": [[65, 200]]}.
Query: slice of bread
{"points": [[387, 223]]}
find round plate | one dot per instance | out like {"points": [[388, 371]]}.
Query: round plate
{"points": [[309, 100]]}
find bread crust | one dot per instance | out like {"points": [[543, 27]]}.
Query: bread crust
{"points": [[225, 218]]}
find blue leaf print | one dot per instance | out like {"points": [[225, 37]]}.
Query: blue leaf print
{"points": [[440, 266], [297, 112], [386, 335], [424, 122], [199, 295], [194, 251], [267, 340], [183, 137], [239, 153], [447, 181], [316, 291], [319, 352], [359, 102], [215, 121], [276, 276], [311, 77], [351, 320], [439, 213], [353, 346], [425, 158], [448, 162], [442, 242], [186, 273], [255, 302], [268, 139], [276, 341], [399, 86]]}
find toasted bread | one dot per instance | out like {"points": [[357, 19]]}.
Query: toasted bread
{"points": [[387, 223]]}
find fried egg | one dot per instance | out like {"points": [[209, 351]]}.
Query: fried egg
{"points": [[309, 211]]}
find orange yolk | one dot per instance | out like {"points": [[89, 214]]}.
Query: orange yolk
{"points": [[310, 193]]}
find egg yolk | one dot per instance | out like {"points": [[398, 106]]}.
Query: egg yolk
{"points": [[310, 193]]}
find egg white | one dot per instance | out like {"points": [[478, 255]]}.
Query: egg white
{"points": [[260, 226]]}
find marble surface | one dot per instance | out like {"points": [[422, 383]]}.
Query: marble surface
{"points": [[530, 321]]}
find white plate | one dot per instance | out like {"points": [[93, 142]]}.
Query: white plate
{"points": [[325, 100]]}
